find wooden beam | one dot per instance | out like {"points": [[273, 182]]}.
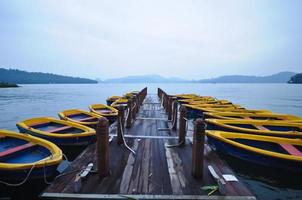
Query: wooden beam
{"points": [[124, 196]]}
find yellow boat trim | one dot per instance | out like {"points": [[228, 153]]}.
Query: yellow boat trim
{"points": [[224, 136], [230, 109], [229, 115], [118, 102], [218, 102], [64, 115], [54, 159], [186, 96], [205, 99], [113, 98], [225, 123], [93, 108], [26, 124], [202, 106]]}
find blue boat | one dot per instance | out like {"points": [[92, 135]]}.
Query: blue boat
{"points": [[23, 156], [273, 152]]}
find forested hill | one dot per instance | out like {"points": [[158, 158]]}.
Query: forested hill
{"points": [[23, 77], [296, 79]]}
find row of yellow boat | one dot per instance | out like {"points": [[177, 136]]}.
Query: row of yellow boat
{"points": [[258, 136], [35, 151]]}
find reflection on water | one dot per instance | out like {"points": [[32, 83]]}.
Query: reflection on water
{"points": [[29, 101], [267, 183]]}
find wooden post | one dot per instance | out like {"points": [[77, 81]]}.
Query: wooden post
{"points": [[164, 101], [182, 125], [129, 118], [133, 111], [169, 107], [174, 113], [198, 148], [137, 105], [120, 124], [102, 147]]}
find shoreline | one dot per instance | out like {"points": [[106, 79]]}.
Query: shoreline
{"points": [[8, 85]]}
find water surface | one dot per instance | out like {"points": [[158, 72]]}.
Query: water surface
{"points": [[29, 101]]}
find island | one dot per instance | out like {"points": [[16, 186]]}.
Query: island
{"points": [[23, 77], [296, 79], [7, 85]]}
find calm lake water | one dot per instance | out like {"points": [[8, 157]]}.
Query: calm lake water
{"points": [[29, 101]]}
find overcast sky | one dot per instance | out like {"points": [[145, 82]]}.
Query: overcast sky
{"points": [[188, 39]]}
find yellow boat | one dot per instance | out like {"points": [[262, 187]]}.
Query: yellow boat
{"points": [[234, 110], [106, 111], [80, 116], [21, 154], [112, 99], [130, 94], [274, 152], [197, 102], [196, 111], [245, 115], [204, 98], [60, 132], [262, 127], [120, 102], [186, 96]]}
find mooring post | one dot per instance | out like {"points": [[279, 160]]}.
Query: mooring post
{"points": [[137, 104], [182, 125], [198, 148], [169, 109], [120, 124], [102, 147], [165, 100], [129, 117], [174, 113], [133, 108]]}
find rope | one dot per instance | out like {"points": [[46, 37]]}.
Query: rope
{"points": [[29, 173], [23, 181], [127, 115], [122, 132]]}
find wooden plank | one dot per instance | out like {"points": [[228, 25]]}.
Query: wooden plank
{"points": [[150, 118], [121, 196], [124, 186]]}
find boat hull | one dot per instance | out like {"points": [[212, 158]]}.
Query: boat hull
{"points": [[23, 156], [12, 176], [253, 157]]}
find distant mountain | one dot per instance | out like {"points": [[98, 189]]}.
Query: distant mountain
{"points": [[153, 78], [281, 77], [24, 77], [296, 79]]}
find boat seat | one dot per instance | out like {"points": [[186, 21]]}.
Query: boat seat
{"points": [[16, 149], [85, 119], [105, 111], [59, 129], [261, 127], [292, 150]]}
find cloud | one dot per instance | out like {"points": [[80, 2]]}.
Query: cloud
{"points": [[192, 39]]}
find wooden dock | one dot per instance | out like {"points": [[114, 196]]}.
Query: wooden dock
{"points": [[155, 171]]}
